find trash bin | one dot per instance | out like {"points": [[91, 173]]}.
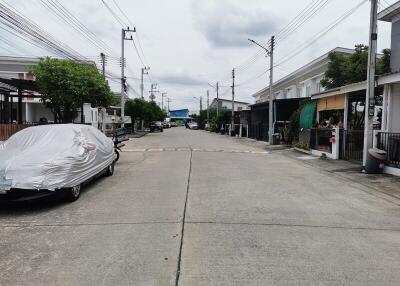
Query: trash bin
{"points": [[275, 139], [375, 161]]}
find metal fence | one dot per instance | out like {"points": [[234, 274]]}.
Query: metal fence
{"points": [[352, 145], [390, 142], [259, 131]]}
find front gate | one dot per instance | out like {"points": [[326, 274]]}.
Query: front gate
{"points": [[258, 131], [351, 145]]}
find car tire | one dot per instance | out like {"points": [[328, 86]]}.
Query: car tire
{"points": [[116, 153], [73, 194], [162, 130], [110, 170]]}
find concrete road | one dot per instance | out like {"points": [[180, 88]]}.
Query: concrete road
{"points": [[194, 208]]}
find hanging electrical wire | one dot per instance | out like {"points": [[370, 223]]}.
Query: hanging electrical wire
{"points": [[320, 34], [294, 25], [62, 13], [27, 29]]}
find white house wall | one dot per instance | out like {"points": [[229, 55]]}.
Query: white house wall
{"points": [[394, 116], [35, 111]]}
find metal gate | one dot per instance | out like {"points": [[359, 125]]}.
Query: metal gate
{"points": [[258, 131], [351, 145]]}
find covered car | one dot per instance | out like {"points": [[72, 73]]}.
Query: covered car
{"points": [[43, 159]]}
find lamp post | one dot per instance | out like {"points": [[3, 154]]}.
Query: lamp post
{"points": [[270, 53], [200, 101]]}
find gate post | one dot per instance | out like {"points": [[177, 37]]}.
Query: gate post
{"points": [[335, 143]]}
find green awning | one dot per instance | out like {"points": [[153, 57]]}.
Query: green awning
{"points": [[307, 114]]}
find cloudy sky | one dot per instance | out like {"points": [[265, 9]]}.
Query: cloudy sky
{"points": [[190, 43]]}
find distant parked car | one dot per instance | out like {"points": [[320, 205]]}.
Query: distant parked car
{"points": [[166, 124], [42, 160], [156, 125], [193, 125], [173, 124]]}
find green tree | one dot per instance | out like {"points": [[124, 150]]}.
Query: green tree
{"points": [[65, 85], [139, 109], [347, 69], [383, 65]]}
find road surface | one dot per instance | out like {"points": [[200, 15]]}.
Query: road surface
{"points": [[193, 208]]}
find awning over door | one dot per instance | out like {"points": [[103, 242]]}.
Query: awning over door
{"points": [[331, 103], [307, 114]]}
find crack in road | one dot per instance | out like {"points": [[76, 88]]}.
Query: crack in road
{"points": [[178, 270], [87, 224], [295, 225]]}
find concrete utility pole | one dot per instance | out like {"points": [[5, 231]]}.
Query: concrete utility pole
{"points": [[200, 99], [103, 70], [233, 102], [162, 100], [103, 64], [152, 91], [370, 95], [123, 79], [270, 53], [144, 71], [208, 106], [271, 92], [217, 98], [168, 101]]}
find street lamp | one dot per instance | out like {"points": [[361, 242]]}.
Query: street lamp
{"points": [[200, 101], [270, 53]]}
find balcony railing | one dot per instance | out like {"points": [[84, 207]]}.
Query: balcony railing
{"points": [[390, 142]]}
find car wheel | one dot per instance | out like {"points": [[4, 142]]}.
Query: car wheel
{"points": [[73, 193], [116, 153], [110, 170], [162, 130]]}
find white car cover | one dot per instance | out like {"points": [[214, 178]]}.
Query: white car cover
{"points": [[53, 156]]}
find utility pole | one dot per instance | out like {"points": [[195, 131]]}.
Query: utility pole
{"points": [[103, 64], [270, 53], [123, 79], [271, 92], [162, 100], [233, 102], [200, 99], [168, 101], [152, 91], [208, 107], [370, 94], [103, 70], [144, 71], [217, 99]]}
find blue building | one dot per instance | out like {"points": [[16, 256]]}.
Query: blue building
{"points": [[180, 115]]}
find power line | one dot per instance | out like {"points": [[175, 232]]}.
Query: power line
{"points": [[118, 19], [18, 23], [320, 34], [304, 16], [301, 19], [73, 22]]}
